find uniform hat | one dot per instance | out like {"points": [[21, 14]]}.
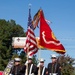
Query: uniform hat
{"points": [[17, 59], [30, 57], [42, 60], [53, 56]]}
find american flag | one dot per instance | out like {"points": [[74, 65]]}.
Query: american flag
{"points": [[31, 44]]}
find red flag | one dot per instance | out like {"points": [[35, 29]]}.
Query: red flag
{"points": [[47, 38], [31, 44]]}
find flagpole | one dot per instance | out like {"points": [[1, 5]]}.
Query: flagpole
{"points": [[28, 45], [39, 55], [39, 58], [31, 45], [27, 63]]}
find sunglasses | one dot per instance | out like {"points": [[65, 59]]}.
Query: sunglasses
{"points": [[53, 58], [41, 62]]}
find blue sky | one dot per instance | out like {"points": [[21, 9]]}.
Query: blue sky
{"points": [[60, 12]]}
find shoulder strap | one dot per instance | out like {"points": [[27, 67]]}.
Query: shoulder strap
{"points": [[30, 68], [43, 70]]}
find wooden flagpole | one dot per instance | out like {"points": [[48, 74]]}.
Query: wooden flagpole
{"points": [[39, 55], [27, 51], [27, 63]]}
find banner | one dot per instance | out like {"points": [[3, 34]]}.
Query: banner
{"points": [[19, 42], [8, 68]]}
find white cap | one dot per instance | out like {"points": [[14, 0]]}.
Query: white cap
{"points": [[30, 57], [42, 60], [53, 56], [17, 59]]}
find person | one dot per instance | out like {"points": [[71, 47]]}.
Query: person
{"points": [[31, 69], [54, 67], [24, 70], [42, 70], [15, 70]]}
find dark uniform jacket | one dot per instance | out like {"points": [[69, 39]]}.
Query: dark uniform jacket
{"points": [[34, 69], [15, 70], [42, 69], [54, 68]]}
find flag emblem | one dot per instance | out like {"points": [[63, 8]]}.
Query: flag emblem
{"points": [[47, 37]]}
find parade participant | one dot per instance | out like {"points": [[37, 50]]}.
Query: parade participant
{"points": [[42, 70], [31, 69], [15, 70], [54, 67], [24, 70]]}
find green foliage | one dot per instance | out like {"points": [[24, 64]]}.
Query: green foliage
{"points": [[8, 29], [35, 60], [67, 65]]}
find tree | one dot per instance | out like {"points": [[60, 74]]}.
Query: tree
{"points": [[8, 29], [67, 65]]}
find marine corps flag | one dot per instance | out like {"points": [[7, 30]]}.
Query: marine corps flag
{"points": [[47, 38]]}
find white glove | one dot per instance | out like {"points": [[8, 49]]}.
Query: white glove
{"points": [[31, 74]]}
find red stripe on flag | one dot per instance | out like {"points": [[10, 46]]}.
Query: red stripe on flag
{"points": [[31, 44]]}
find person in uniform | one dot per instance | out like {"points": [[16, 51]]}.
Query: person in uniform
{"points": [[29, 68], [42, 70], [54, 67], [15, 70]]}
